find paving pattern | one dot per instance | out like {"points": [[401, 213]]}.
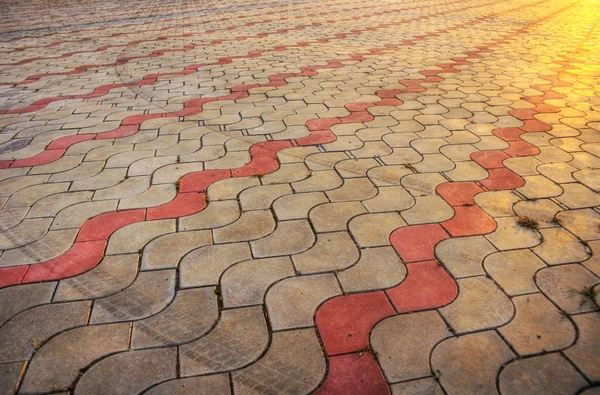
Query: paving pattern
{"points": [[337, 196]]}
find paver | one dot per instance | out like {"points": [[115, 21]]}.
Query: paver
{"points": [[527, 375], [23, 334], [77, 349], [239, 338], [24, 298], [113, 274], [514, 270], [483, 354], [205, 265], [159, 365], [401, 346], [294, 359], [377, 268], [479, 305], [537, 326], [150, 293], [175, 324], [247, 282], [343, 196], [308, 291], [214, 384]]}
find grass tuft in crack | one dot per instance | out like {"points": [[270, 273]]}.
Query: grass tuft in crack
{"points": [[527, 222]]}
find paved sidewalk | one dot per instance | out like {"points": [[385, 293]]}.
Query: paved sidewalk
{"points": [[286, 197]]}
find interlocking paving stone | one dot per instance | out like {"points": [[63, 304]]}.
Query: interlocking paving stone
{"points": [[542, 210], [330, 217], [74, 216], [389, 199], [129, 187], [560, 246], [294, 363], [216, 214], [423, 386], [401, 346], [464, 256], [245, 283], [510, 235], [583, 223], [261, 197], [565, 286], [51, 205], [583, 353], [10, 217], [205, 265], [165, 251], [591, 391], [77, 349], [427, 209], [530, 375], [131, 238], [593, 262], [25, 233], [480, 304], [28, 196], [192, 313], [147, 295], [114, 373], [514, 270], [405, 189], [203, 385], [238, 339], [50, 245], [332, 251], [112, 275], [353, 189], [290, 237], [10, 375], [250, 226], [13, 300], [578, 196], [373, 230], [470, 363], [497, 203], [25, 332], [537, 327], [318, 181], [377, 268], [297, 206], [308, 292], [538, 187]]}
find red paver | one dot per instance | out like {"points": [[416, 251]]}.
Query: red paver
{"points": [[102, 226], [502, 179], [521, 148], [415, 243], [458, 193], [184, 204], [345, 322], [80, 258], [356, 373], [491, 159], [469, 221], [427, 286]]}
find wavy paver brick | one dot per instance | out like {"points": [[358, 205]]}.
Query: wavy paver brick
{"points": [[401, 197]]}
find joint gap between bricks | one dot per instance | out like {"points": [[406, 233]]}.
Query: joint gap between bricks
{"points": [[565, 356]]}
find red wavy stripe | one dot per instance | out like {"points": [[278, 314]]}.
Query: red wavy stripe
{"points": [[263, 162], [345, 322]]}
